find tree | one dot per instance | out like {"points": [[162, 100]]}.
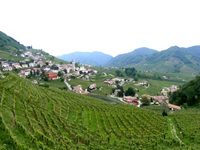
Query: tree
{"points": [[60, 73], [145, 101], [121, 93], [65, 70], [77, 64], [130, 92], [38, 72], [119, 73], [54, 67], [130, 72]]}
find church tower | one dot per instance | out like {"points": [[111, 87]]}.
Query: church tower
{"points": [[73, 65]]}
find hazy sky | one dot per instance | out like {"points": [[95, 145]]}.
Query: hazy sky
{"points": [[110, 26]]}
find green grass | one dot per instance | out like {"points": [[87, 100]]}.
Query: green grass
{"points": [[102, 88], [154, 88], [55, 83], [4, 55]]}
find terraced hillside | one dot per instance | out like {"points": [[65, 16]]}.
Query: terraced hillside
{"points": [[33, 117]]}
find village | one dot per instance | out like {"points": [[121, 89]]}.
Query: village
{"points": [[37, 64]]}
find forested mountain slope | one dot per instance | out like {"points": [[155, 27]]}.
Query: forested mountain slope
{"points": [[174, 60], [134, 57]]}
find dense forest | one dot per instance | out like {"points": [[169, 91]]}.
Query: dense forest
{"points": [[188, 94]]}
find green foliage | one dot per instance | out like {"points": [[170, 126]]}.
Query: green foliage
{"points": [[119, 73], [145, 101], [130, 72], [188, 94], [130, 92], [54, 67], [121, 92], [60, 74]]}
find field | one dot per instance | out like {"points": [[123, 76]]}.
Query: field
{"points": [[154, 88], [102, 88], [33, 117]]}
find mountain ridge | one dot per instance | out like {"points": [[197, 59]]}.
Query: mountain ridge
{"points": [[95, 58], [173, 59], [130, 57]]}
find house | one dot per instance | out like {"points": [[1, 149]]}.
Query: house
{"points": [[76, 73], [27, 54], [32, 64], [92, 86], [24, 73], [78, 89], [16, 65], [131, 99], [4, 64], [117, 79], [52, 75], [108, 82], [47, 68], [27, 72], [40, 63], [173, 107], [24, 66], [143, 83], [8, 68], [173, 88], [164, 91], [116, 92], [161, 98]]}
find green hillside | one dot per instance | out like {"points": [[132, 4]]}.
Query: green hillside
{"points": [[10, 49], [33, 117]]}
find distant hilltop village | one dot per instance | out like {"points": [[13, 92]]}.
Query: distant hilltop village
{"points": [[36, 64]]}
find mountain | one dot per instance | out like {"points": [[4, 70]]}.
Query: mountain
{"points": [[10, 49], [92, 58], [134, 57], [174, 59]]}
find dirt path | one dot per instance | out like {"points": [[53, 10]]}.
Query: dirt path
{"points": [[173, 131]]}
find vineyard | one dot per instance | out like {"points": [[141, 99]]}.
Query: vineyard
{"points": [[34, 117], [188, 125]]}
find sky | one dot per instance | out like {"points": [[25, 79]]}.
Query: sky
{"points": [[110, 26]]}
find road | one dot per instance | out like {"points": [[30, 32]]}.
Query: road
{"points": [[67, 84]]}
